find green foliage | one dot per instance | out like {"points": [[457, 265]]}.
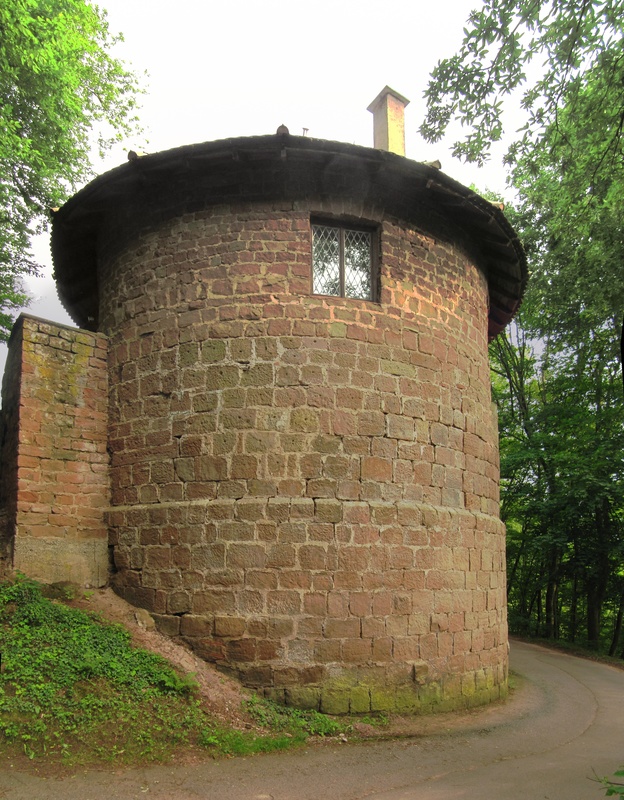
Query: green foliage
{"points": [[561, 404], [561, 417], [73, 689], [280, 718], [379, 720], [614, 788], [58, 84], [558, 382], [534, 48]]}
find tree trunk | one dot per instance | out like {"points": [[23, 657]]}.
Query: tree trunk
{"points": [[551, 595], [599, 580], [617, 630], [574, 610]]}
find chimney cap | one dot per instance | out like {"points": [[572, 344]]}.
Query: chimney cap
{"points": [[382, 95]]}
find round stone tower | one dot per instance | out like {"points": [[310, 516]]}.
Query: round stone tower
{"points": [[303, 447]]}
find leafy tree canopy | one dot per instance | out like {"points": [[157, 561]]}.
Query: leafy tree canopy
{"points": [[557, 380], [58, 85], [539, 49], [565, 62], [571, 191]]}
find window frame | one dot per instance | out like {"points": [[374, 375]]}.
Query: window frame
{"points": [[342, 226]]}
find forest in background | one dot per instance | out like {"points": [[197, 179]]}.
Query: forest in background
{"points": [[557, 372]]}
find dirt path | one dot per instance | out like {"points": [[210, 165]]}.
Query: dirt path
{"points": [[564, 721]]}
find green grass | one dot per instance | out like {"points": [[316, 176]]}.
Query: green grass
{"points": [[280, 718], [73, 690]]}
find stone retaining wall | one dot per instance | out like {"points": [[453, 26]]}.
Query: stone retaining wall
{"points": [[54, 480]]}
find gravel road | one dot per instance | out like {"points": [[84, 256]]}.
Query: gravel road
{"points": [[565, 722]]}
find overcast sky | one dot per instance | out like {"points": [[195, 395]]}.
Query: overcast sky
{"points": [[243, 68]]}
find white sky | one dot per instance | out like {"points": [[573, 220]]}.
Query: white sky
{"points": [[243, 68]]}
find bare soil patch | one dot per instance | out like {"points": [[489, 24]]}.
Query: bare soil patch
{"points": [[221, 696]]}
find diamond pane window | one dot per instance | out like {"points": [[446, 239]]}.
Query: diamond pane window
{"points": [[326, 258], [342, 262]]}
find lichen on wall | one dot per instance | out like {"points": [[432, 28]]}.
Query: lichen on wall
{"points": [[56, 406]]}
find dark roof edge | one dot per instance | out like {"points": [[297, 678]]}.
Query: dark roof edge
{"points": [[503, 255]]}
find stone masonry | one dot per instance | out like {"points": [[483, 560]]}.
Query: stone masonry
{"points": [[303, 488], [55, 483]]}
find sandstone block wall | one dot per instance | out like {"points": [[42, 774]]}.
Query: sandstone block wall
{"points": [[54, 476], [305, 489]]}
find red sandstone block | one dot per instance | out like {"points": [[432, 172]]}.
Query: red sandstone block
{"points": [[338, 467], [294, 579], [371, 423], [36, 508], [344, 423], [315, 604], [356, 512], [357, 332], [311, 465], [243, 650], [281, 556], [302, 508], [250, 602], [292, 532], [382, 604], [310, 628], [356, 651], [478, 640], [327, 651], [401, 557], [376, 469], [402, 603], [178, 602], [360, 604], [229, 626], [26, 496], [319, 396], [429, 647], [283, 602], [321, 488], [27, 462], [347, 580], [246, 556], [312, 557], [158, 557], [327, 510], [363, 534], [61, 520], [373, 628], [406, 648], [341, 628], [213, 601], [397, 626], [354, 559], [384, 515], [243, 467]]}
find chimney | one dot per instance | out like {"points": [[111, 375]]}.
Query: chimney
{"points": [[388, 121]]}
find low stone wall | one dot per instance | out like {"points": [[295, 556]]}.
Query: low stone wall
{"points": [[54, 479]]}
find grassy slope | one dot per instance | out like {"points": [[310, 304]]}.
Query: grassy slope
{"points": [[73, 690]]}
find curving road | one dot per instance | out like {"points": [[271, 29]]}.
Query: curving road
{"points": [[566, 722]]}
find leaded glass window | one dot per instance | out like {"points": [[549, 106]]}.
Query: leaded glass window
{"points": [[342, 263]]}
